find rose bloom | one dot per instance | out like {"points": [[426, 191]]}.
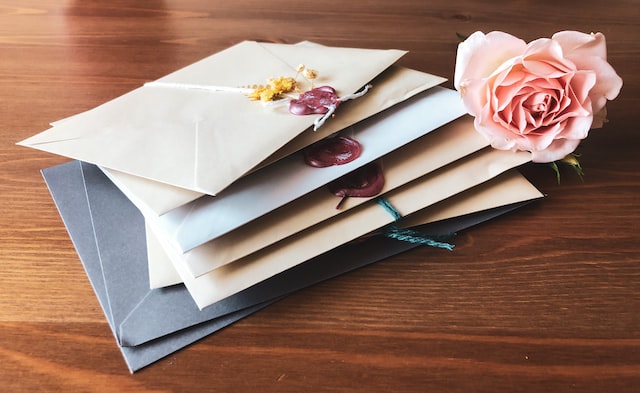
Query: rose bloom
{"points": [[541, 97]]}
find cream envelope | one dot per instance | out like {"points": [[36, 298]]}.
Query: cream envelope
{"points": [[205, 139], [161, 271], [440, 185], [394, 85], [290, 178], [506, 189], [430, 152]]}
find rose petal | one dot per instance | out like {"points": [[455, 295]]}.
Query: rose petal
{"points": [[541, 138], [479, 55], [576, 44], [556, 151], [589, 52], [577, 127], [608, 83]]}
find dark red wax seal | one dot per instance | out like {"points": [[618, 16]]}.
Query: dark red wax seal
{"points": [[314, 101], [332, 151], [364, 182]]}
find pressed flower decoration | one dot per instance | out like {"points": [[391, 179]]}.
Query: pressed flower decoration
{"points": [[284, 89], [317, 100], [274, 90], [542, 97]]}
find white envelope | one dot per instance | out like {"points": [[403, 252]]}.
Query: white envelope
{"points": [[440, 185], [204, 140], [424, 155], [275, 185]]}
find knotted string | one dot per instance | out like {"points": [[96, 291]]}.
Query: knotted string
{"points": [[408, 235], [332, 108]]}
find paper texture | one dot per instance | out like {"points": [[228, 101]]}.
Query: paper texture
{"points": [[426, 154], [506, 189], [166, 320], [209, 217], [442, 184], [394, 85], [204, 140]]}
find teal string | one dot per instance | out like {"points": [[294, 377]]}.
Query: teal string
{"points": [[415, 237], [408, 235], [384, 202]]}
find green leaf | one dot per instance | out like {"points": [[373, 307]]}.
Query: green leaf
{"points": [[555, 168]]}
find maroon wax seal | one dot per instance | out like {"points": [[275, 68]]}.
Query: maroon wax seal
{"points": [[315, 101], [364, 182], [332, 151]]}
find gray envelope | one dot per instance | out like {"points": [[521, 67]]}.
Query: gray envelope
{"points": [[108, 233]]}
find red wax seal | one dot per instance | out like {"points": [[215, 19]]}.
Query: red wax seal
{"points": [[332, 151], [365, 182], [314, 101]]}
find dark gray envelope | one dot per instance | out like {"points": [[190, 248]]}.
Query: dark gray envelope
{"points": [[108, 233]]}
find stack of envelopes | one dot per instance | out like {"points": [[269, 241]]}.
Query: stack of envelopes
{"points": [[191, 206]]}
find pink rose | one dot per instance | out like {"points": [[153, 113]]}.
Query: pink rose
{"points": [[541, 97]]}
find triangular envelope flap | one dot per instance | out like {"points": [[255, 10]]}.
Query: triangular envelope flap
{"points": [[334, 63], [204, 140], [208, 217], [126, 283], [394, 85], [345, 69], [66, 185]]}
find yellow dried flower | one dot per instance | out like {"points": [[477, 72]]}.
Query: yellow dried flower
{"points": [[274, 90], [300, 68], [310, 74], [283, 84], [257, 91]]}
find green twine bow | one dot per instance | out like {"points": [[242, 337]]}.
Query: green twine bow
{"points": [[409, 235]]}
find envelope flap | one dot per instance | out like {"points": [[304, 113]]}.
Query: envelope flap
{"points": [[203, 140], [395, 85], [344, 69], [289, 178], [126, 283]]}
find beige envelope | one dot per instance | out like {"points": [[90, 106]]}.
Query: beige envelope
{"points": [[203, 140], [428, 190], [508, 188], [394, 85], [432, 151]]}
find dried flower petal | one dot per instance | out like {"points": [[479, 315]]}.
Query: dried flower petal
{"points": [[275, 90], [310, 74]]}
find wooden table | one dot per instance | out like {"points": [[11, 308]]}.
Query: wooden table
{"points": [[545, 299]]}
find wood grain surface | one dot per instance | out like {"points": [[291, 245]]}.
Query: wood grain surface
{"points": [[543, 300]]}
